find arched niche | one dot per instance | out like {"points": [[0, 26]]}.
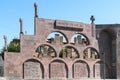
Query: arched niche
{"points": [[90, 53], [100, 70], [58, 69], [80, 69], [57, 37], [107, 46], [69, 52], [45, 50], [79, 39], [33, 69]]}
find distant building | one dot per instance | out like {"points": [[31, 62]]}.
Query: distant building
{"points": [[15, 40]]}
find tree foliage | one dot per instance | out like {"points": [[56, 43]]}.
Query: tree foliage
{"points": [[14, 47]]}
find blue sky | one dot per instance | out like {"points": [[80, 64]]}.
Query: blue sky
{"points": [[105, 12]]}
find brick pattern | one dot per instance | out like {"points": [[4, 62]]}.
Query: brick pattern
{"points": [[80, 70], [57, 70], [99, 70], [56, 66], [32, 70]]}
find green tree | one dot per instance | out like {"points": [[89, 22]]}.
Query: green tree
{"points": [[14, 47]]}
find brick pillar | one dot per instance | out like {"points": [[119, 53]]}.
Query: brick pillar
{"points": [[91, 72], [93, 26], [70, 73], [89, 52], [46, 71], [61, 39], [118, 57], [93, 56], [79, 38]]}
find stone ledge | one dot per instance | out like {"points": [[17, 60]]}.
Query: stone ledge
{"points": [[2, 78]]}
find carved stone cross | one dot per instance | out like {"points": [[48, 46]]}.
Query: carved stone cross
{"points": [[92, 19]]}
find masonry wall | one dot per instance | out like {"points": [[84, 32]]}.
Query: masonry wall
{"points": [[25, 65], [108, 34]]}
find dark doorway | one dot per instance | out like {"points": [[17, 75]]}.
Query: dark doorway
{"points": [[107, 47]]}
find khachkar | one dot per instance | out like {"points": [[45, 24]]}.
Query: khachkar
{"points": [[58, 49]]}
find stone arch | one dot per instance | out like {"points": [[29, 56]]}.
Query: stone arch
{"points": [[33, 69], [57, 37], [80, 39], [107, 36], [80, 69], [58, 69], [45, 50], [100, 70], [69, 51], [91, 53]]}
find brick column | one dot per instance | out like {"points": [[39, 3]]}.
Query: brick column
{"points": [[46, 71], [89, 52], [70, 73], [91, 71], [118, 57]]}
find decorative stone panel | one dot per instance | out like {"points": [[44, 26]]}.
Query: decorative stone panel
{"points": [[32, 70], [80, 70], [58, 70]]}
